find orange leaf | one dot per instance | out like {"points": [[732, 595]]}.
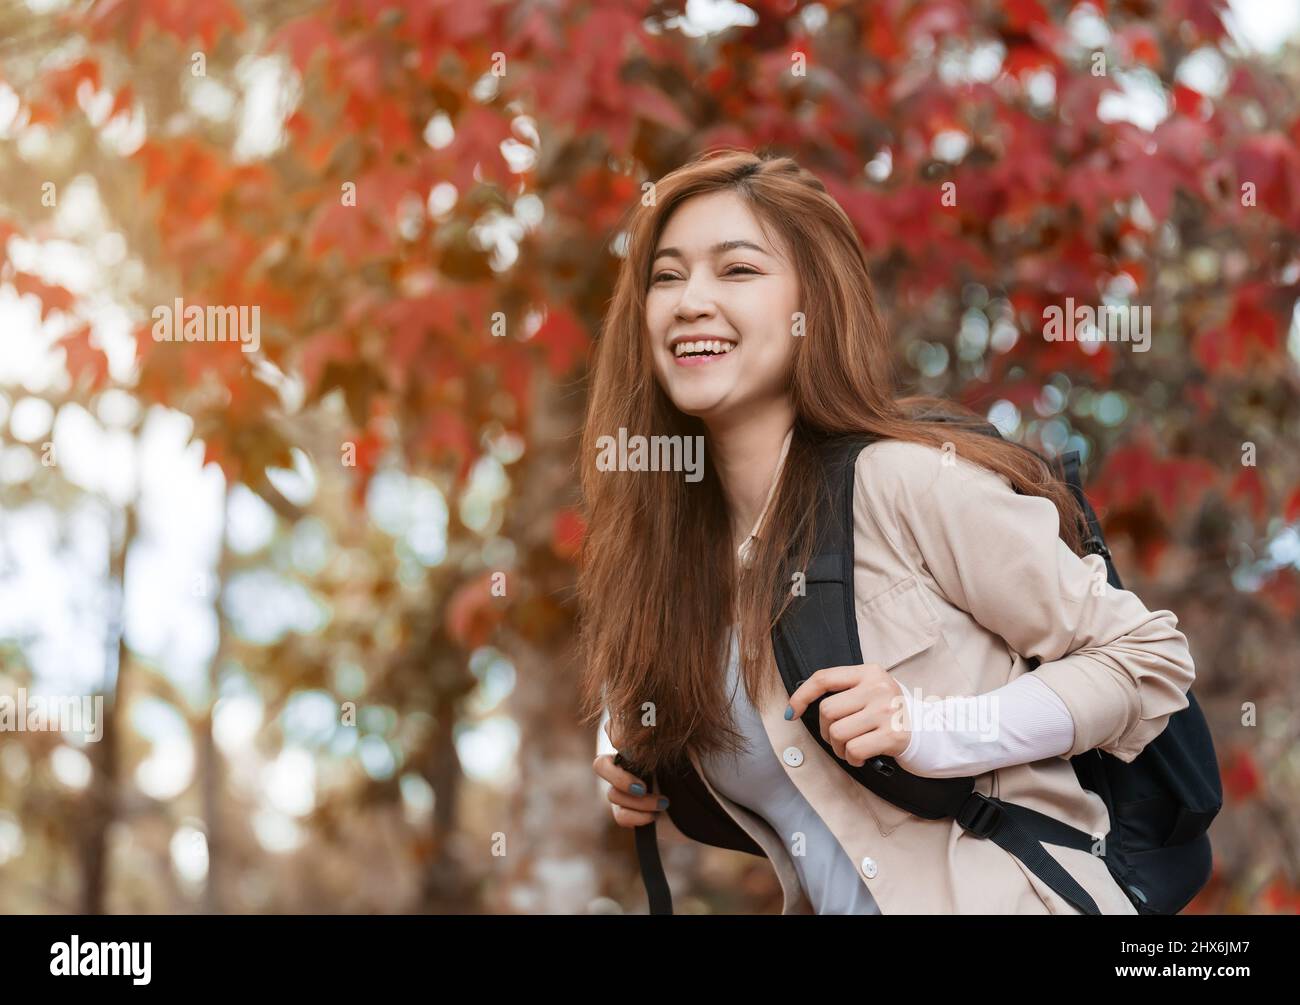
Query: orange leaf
{"points": [[1142, 45], [51, 296], [1022, 14], [7, 230], [567, 531], [64, 82], [123, 102], [181, 18], [1281, 898], [84, 358], [303, 37]]}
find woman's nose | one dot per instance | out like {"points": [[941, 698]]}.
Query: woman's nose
{"points": [[696, 298]]}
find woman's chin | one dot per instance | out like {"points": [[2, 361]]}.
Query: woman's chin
{"points": [[700, 403]]}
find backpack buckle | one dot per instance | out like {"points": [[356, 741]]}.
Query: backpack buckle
{"points": [[980, 815]]}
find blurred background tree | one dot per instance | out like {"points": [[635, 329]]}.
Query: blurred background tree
{"points": [[334, 638]]}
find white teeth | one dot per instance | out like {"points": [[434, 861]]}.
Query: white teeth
{"points": [[716, 346]]}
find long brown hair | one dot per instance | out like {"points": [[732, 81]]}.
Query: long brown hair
{"points": [[658, 580]]}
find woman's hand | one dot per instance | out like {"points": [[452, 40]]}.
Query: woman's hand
{"points": [[631, 807], [868, 716]]}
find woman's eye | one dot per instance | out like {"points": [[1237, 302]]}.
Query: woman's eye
{"points": [[735, 270]]}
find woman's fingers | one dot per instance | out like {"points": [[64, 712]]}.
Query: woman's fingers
{"points": [[867, 745], [632, 811], [632, 805], [819, 683], [631, 818], [620, 778]]}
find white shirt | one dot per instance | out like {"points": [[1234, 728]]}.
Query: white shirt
{"points": [[757, 780]]}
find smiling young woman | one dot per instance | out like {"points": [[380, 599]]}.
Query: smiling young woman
{"points": [[744, 314]]}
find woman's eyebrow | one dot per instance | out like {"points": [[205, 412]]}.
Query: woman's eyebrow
{"points": [[717, 249]]}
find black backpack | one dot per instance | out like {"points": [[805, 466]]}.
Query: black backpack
{"points": [[1160, 804]]}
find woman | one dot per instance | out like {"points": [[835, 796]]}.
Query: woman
{"points": [[744, 317]]}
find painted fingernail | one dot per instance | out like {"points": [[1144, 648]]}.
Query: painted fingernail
{"points": [[789, 712], [638, 789], [663, 803]]}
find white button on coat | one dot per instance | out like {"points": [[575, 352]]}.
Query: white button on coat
{"points": [[793, 756], [869, 867]]}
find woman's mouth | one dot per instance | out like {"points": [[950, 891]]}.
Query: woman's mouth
{"points": [[702, 352]]}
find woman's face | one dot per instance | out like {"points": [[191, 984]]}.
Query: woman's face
{"points": [[716, 279]]}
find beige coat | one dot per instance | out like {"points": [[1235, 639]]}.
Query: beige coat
{"points": [[957, 578]]}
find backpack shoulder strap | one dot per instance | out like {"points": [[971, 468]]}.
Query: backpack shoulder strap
{"points": [[819, 629], [1093, 543]]}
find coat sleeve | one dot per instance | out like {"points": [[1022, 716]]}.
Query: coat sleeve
{"points": [[1121, 669]]}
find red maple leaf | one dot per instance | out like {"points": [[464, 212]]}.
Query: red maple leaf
{"points": [[1271, 163], [1281, 591], [1241, 779], [564, 340], [1291, 510], [1252, 335], [1248, 487]]}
